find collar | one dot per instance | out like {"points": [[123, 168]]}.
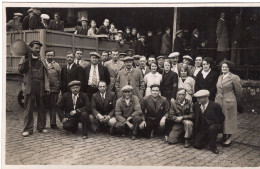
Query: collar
{"points": [[196, 35], [182, 104], [205, 105], [103, 94], [77, 95], [130, 69], [70, 66], [226, 75], [222, 19], [50, 63], [203, 72]]}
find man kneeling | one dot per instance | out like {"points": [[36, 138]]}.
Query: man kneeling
{"points": [[103, 108], [181, 114], [155, 109], [128, 112], [77, 107]]}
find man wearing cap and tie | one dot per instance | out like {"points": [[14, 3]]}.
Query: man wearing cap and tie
{"points": [[26, 19], [104, 57], [35, 87], [78, 59], [74, 106], [130, 76], [178, 43], [128, 112], [35, 19], [208, 121], [45, 19], [136, 61], [103, 108], [83, 29], [94, 73], [174, 58], [70, 72], [143, 66], [160, 60], [15, 24], [114, 66], [56, 24]]}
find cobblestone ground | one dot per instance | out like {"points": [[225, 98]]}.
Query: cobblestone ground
{"points": [[62, 148]]}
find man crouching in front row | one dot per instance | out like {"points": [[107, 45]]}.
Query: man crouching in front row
{"points": [[77, 107]]}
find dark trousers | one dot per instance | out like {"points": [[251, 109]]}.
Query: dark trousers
{"points": [[123, 128], [90, 91], [52, 106], [72, 124], [207, 135], [36, 95]]}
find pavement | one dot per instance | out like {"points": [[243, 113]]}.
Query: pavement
{"points": [[63, 148]]}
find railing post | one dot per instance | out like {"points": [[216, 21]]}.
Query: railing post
{"points": [[97, 39], [73, 43], [43, 41]]}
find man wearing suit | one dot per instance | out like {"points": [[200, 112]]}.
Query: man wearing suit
{"points": [[70, 72], [128, 112], [174, 58], [94, 73], [56, 24], [130, 76], [144, 68], [155, 109], [195, 44], [178, 43], [79, 61], [114, 66], [103, 108], [25, 24], [74, 106], [208, 121], [35, 20]]}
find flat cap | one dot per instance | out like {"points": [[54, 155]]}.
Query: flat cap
{"points": [[30, 10], [130, 50], [128, 58], [18, 14], [35, 42], [179, 31], [159, 57], [122, 54], [127, 88], [187, 57], [94, 54], [45, 16], [120, 31], [202, 93], [174, 54], [74, 82], [84, 19], [136, 56]]}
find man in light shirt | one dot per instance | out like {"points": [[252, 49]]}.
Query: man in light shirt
{"points": [[78, 60], [144, 68]]}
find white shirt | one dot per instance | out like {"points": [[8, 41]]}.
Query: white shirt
{"points": [[50, 64], [91, 75], [205, 106], [196, 35], [175, 69], [182, 104], [197, 69], [69, 66], [226, 75], [205, 74], [127, 101], [76, 61], [74, 99], [103, 95], [143, 70]]}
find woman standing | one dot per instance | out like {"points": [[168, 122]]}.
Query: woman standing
{"points": [[207, 78], [229, 90], [186, 82], [93, 28], [169, 83], [152, 78]]}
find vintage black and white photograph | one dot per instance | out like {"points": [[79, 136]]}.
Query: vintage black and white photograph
{"points": [[169, 85]]}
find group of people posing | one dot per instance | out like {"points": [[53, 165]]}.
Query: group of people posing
{"points": [[132, 96]]}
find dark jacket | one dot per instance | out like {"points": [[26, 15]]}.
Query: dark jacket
{"points": [[106, 108], [25, 24], [76, 73], [103, 30], [35, 22], [169, 84], [237, 33], [154, 110], [122, 47], [195, 45], [213, 115], [166, 48], [81, 31], [65, 106], [140, 49], [209, 83], [178, 46], [103, 75], [56, 26], [156, 44]]}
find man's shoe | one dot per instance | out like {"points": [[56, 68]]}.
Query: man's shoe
{"points": [[54, 126], [133, 137], [166, 138], [26, 133], [111, 130], [44, 131], [215, 150], [187, 144], [85, 137]]}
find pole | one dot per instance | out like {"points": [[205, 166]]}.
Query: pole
{"points": [[174, 27]]}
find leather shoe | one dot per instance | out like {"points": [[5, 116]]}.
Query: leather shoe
{"points": [[44, 131], [225, 144], [26, 133], [133, 137], [187, 144], [215, 150], [85, 137], [54, 126]]}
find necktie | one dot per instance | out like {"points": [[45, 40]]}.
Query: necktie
{"points": [[203, 108], [77, 62], [102, 97], [94, 78], [74, 101]]}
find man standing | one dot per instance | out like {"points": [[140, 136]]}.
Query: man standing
{"points": [[174, 58], [166, 48], [140, 47], [54, 71], [155, 108], [35, 87], [157, 43], [74, 106], [130, 76], [79, 61], [56, 24], [208, 121], [197, 66], [45, 18], [114, 66], [222, 38], [15, 24], [128, 112], [237, 35], [144, 68], [83, 29], [26, 19], [136, 61], [94, 73], [103, 108], [104, 57], [178, 43], [70, 72], [160, 60], [35, 19], [182, 116]]}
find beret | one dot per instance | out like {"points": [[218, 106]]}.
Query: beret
{"points": [[202, 93], [74, 82], [35, 42], [18, 14], [136, 56], [187, 57], [127, 88], [94, 54], [174, 54], [128, 58], [179, 31], [159, 57], [45, 16]]}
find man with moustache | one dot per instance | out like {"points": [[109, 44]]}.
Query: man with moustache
{"points": [[143, 66]]}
